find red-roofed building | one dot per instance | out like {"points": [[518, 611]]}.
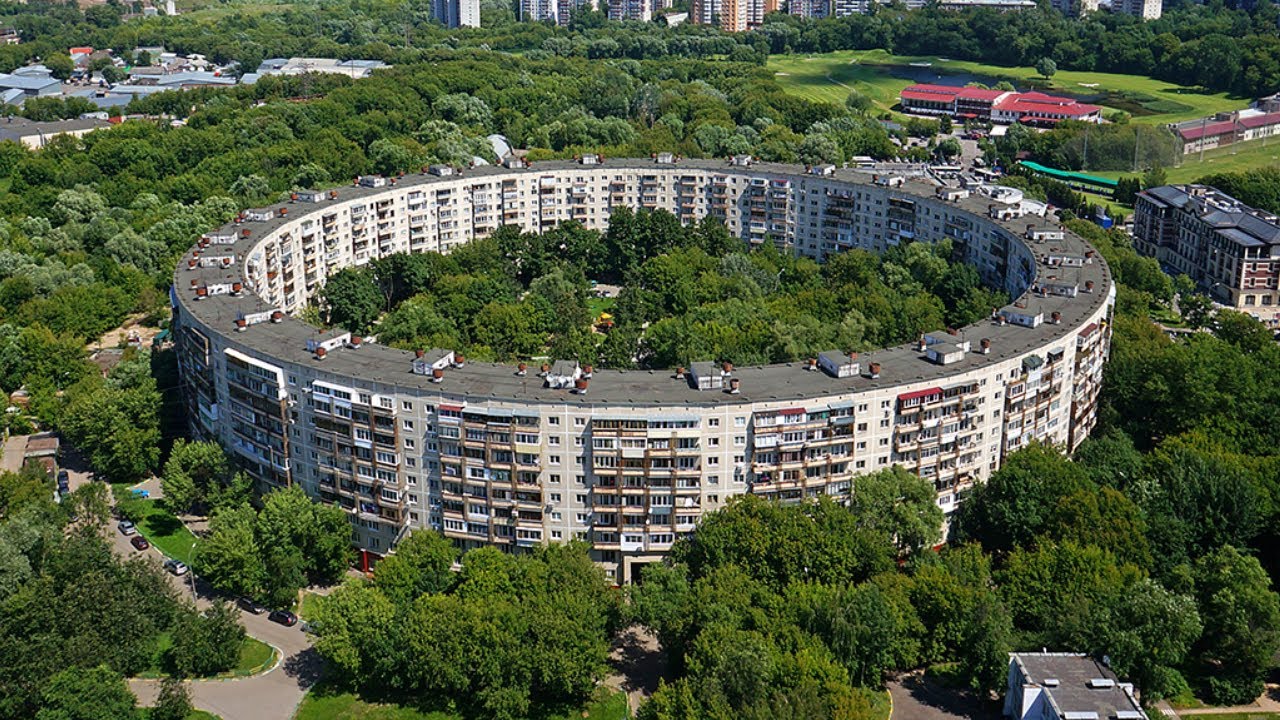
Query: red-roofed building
{"points": [[1226, 128], [1001, 106], [1036, 108]]}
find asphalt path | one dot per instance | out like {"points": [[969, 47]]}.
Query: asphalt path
{"points": [[273, 695]]}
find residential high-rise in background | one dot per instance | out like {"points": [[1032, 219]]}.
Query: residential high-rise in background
{"points": [[1074, 8], [1145, 9], [457, 13], [537, 10], [731, 15], [564, 10], [631, 10], [810, 8]]}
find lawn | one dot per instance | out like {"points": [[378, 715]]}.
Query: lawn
{"points": [[1236, 158], [159, 526], [597, 305], [326, 702], [307, 602], [1238, 716], [255, 657], [828, 77]]}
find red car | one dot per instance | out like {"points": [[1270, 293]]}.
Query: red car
{"points": [[139, 542]]}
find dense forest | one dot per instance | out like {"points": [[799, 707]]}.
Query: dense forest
{"points": [[689, 294]]}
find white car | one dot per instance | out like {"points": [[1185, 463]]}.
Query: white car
{"points": [[177, 567], [126, 527]]}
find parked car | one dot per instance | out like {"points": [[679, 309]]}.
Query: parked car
{"points": [[177, 567], [126, 527], [142, 494], [248, 605], [139, 542], [284, 617]]}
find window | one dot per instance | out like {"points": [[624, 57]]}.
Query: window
{"points": [[554, 459], [713, 422], [579, 422], [739, 440], [740, 422], [407, 424], [406, 405]]}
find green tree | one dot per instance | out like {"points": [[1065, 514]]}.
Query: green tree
{"points": [[901, 504], [1241, 625], [319, 532], [174, 701], [1019, 501], [230, 557], [352, 299], [194, 472], [60, 66], [1046, 67], [87, 694], [1148, 633], [858, 103], [207, 643], [422, 564]]}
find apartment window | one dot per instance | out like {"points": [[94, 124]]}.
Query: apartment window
{"points": [[554, 459], [553, 420], [555, 479], [739, 440], [740, 421], [555, 497], [713, 442], [579, 422], [407, 424], [406, 405], [713, 422]]}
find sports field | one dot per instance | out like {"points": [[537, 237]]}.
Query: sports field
{"points": [[1253, 155], [829, 77]]}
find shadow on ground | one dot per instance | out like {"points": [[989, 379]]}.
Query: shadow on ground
{"points": [[916, 697], [305, 667]]}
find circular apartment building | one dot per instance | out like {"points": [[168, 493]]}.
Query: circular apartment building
{"points": [[516, 455]]}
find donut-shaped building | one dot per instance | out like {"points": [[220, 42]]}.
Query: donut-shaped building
{"points": [[515, 456]]}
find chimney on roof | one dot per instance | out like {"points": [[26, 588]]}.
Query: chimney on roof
{"points": [[277, 316], [241, 324], [1056, 317], [735, 386], [874, 370], [522, 369], [1088, 286], [680, 372], [811, 364], [985, 344], [580, 385], [320, 353], [459, 360], [437, 375], [726, 368], [544, 369]]}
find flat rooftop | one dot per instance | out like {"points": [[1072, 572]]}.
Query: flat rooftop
{"points": [[900, 365], [1074, 691]]}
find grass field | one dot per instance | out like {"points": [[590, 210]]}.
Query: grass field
{"points": [[1247, 156], [829, 77], [165, 531], [325, 702], [255, 657]]}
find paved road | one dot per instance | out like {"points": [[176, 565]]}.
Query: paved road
{"points": [[915, 698], [273, 695], [14, 448]]}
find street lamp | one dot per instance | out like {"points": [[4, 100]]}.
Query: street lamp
{"points": [[191, 571]]}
